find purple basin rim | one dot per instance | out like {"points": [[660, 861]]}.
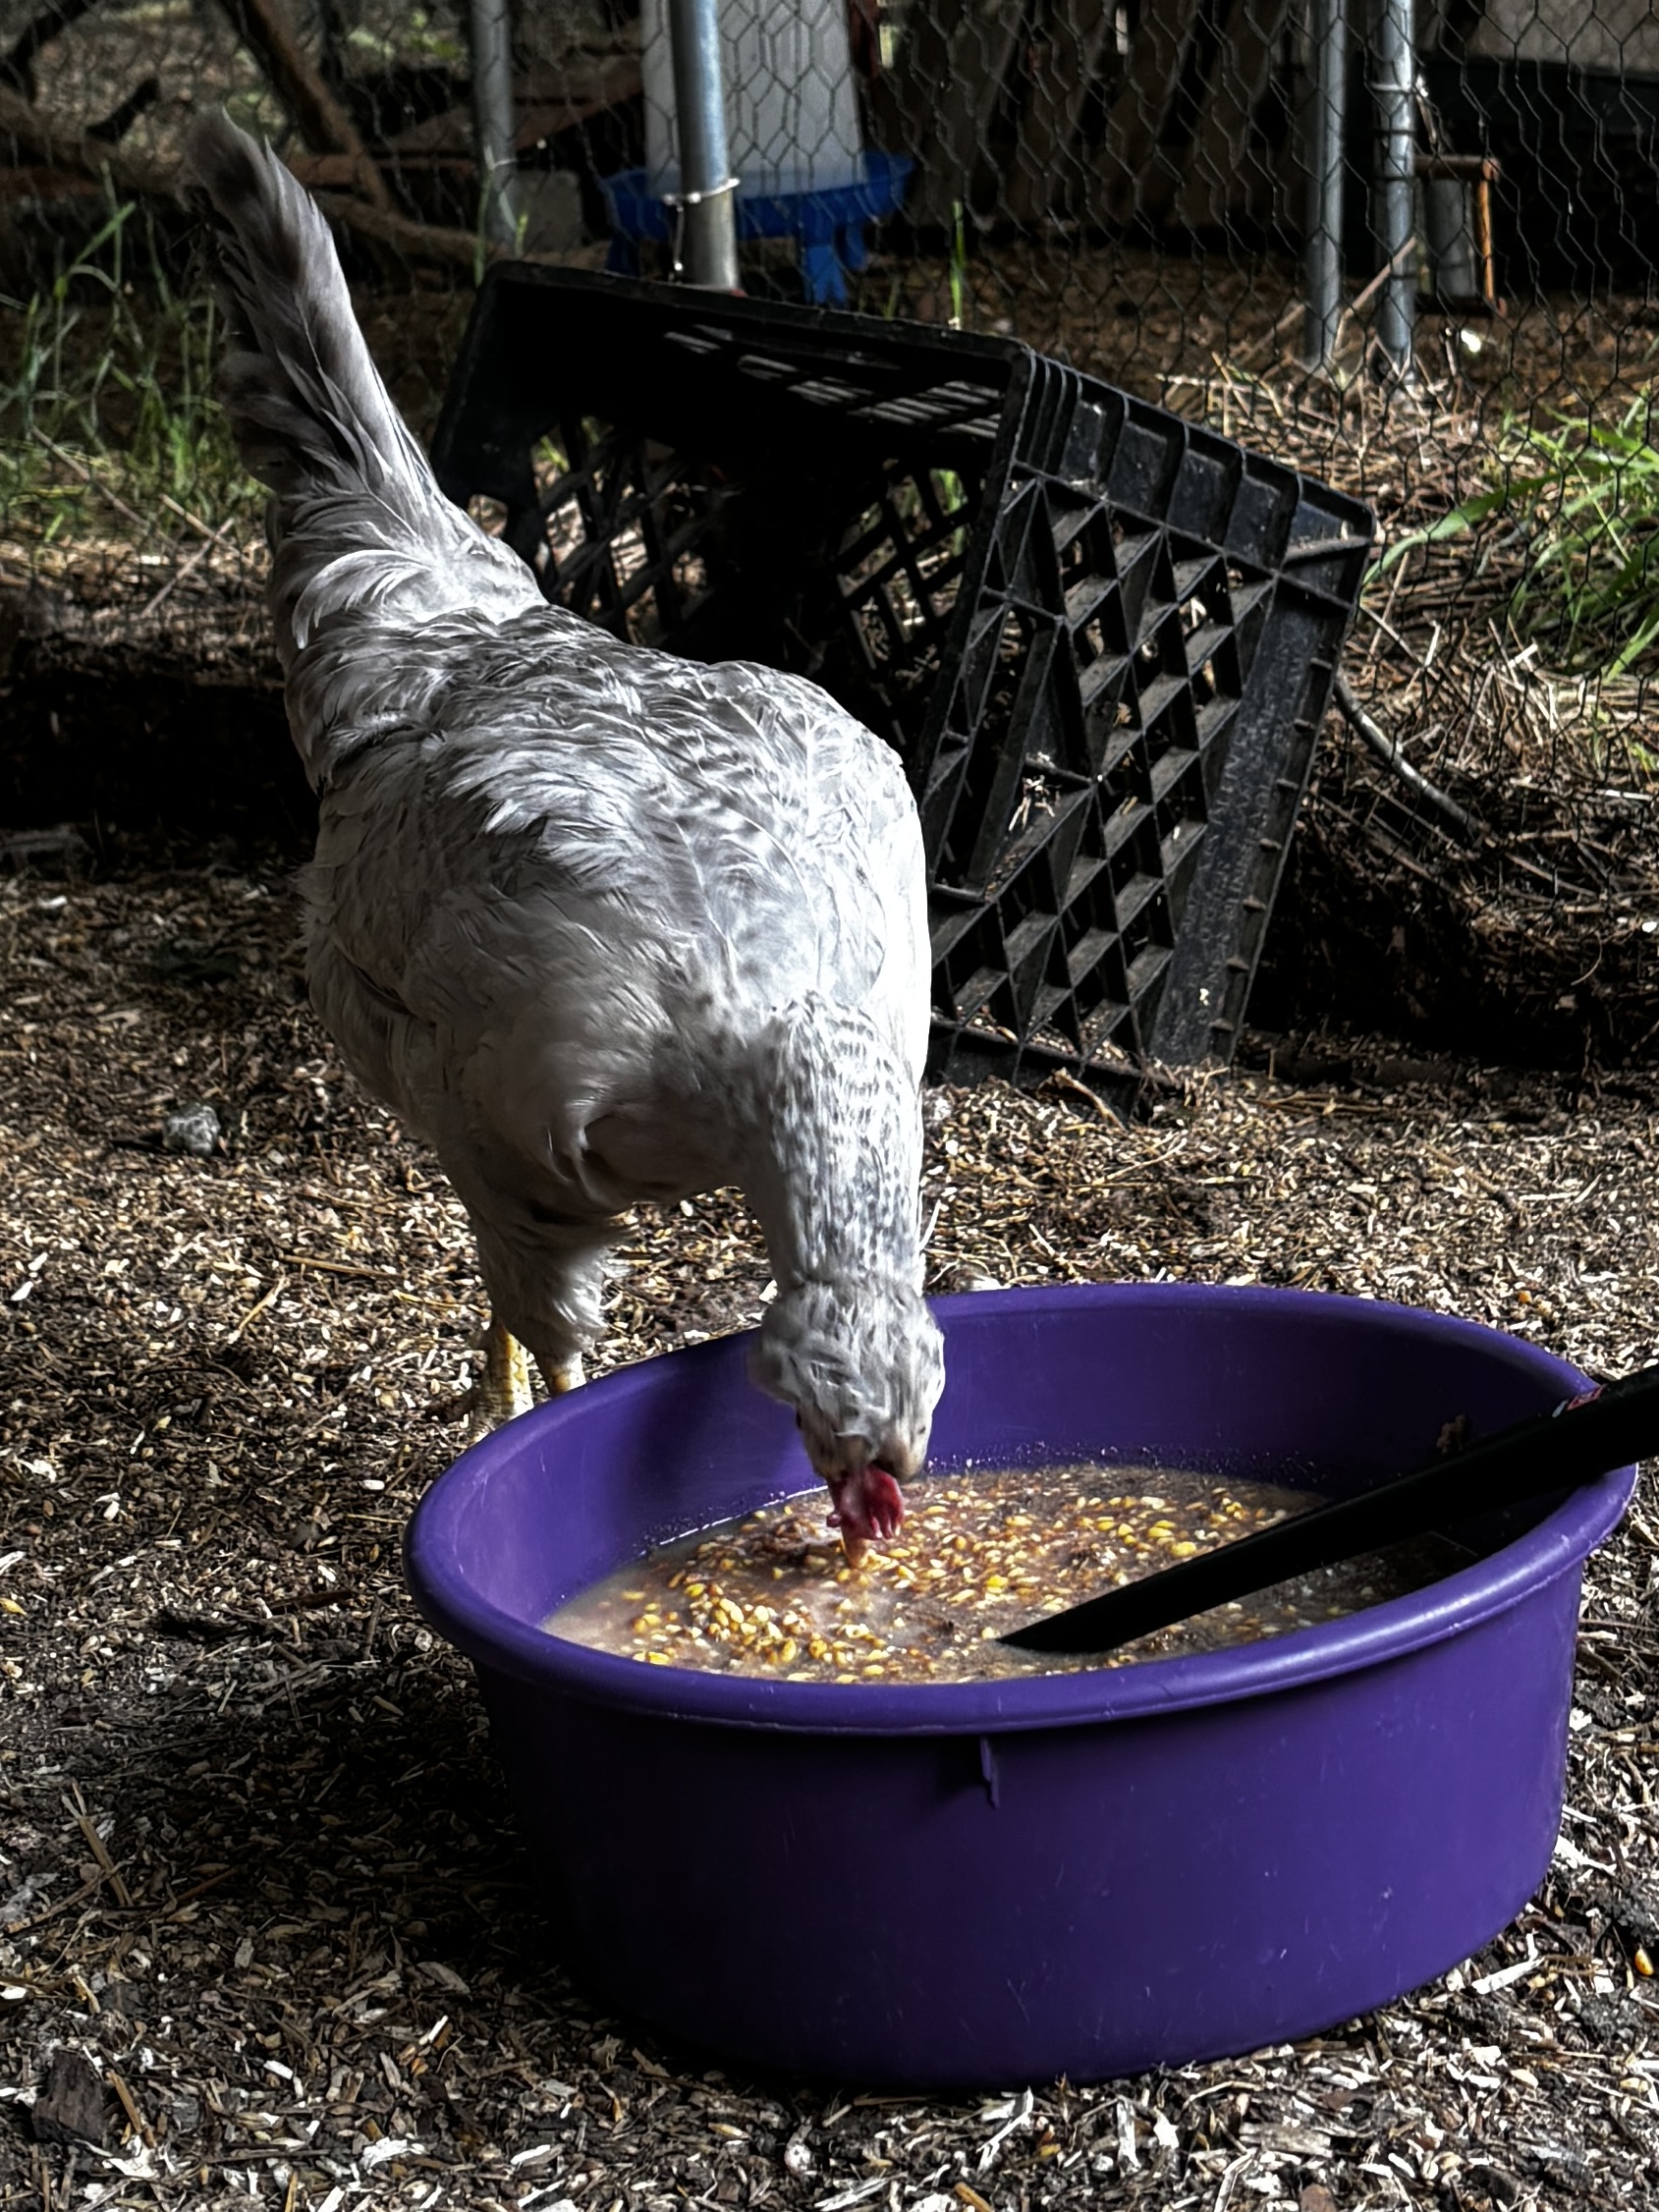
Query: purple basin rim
{"points": [[496, 1638]]}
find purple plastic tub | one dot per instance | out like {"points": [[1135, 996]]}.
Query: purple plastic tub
{"points": [[1084, 1874]]}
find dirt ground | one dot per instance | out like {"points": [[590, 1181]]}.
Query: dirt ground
{"points": [[256, 1861]]}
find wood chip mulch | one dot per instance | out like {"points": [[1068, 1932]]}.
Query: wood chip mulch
{"points": [[264, 1930]]}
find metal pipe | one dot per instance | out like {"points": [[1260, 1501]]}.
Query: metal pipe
{"points": [[492, 120], [1394, 85], [1327, 134], [707, 187]]}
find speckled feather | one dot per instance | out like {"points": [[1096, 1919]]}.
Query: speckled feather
{"points": [[601, 924]]}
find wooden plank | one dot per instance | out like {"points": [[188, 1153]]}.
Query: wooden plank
{"points": [[1066, 54], [1221, 176], [1132, 178], [950, 73]]}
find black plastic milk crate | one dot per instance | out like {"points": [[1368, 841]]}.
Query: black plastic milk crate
{"points": [[1101, 637]]}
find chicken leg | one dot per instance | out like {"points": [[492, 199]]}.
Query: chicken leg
{"points": [[503, 1389], [504, 1393]]}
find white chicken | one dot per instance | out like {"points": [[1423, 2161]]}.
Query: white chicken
{"points": [[601, 926]]}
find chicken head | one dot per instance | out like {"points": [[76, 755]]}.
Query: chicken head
{"points": [[863, 1366]]}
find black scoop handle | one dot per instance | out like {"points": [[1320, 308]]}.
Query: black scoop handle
{"points": [[1579, 1439]]}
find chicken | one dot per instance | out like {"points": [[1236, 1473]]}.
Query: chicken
{"points": [[601, 926]]}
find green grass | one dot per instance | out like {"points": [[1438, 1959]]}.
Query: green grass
{"points": [[1580, 499], [962, 294], [109, 426]]}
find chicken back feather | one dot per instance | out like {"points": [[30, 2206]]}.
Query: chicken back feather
{"points": [[603, 926]]}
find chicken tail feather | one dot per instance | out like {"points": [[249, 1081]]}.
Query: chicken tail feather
{"points": [[307, 403], [357, 518]]}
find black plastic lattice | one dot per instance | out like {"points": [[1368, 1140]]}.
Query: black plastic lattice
{"points": [[1101, 637]]}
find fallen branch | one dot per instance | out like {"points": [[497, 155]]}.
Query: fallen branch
{"points": [[56, 145], [53, 145], [1469, 826], [416, 242], [323, 123], [332, 172], [1391, 268]]}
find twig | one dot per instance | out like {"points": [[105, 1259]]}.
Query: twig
{"points": [[130, 2106], [1390, 268], [96, 483], [1387, 750], [215, 539], [51, 1911], [198, 1888], [335, 1267], [256, 1308], [211, 538], [1064, 1079], [1292, 315], [98, 1849]]}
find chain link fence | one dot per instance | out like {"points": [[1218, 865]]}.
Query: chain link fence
{"points": [[1128, 184]]}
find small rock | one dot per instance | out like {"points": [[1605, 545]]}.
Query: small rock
{"points": [[184, 2114], [1500, 2185], [71, 2107], [193, 1129]]}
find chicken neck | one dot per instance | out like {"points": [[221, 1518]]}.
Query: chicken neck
{"points": [[834, 1179]]}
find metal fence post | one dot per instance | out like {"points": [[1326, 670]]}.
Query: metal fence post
{"points": [[1393, 82], [1327, 118], [707, 187], [493, 120]]}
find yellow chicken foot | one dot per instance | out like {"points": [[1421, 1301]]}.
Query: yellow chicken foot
{"points": [[571, 1377], [505, 1389]]}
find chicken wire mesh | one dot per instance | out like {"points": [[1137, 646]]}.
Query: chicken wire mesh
{"points": [[1129, 189]]}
